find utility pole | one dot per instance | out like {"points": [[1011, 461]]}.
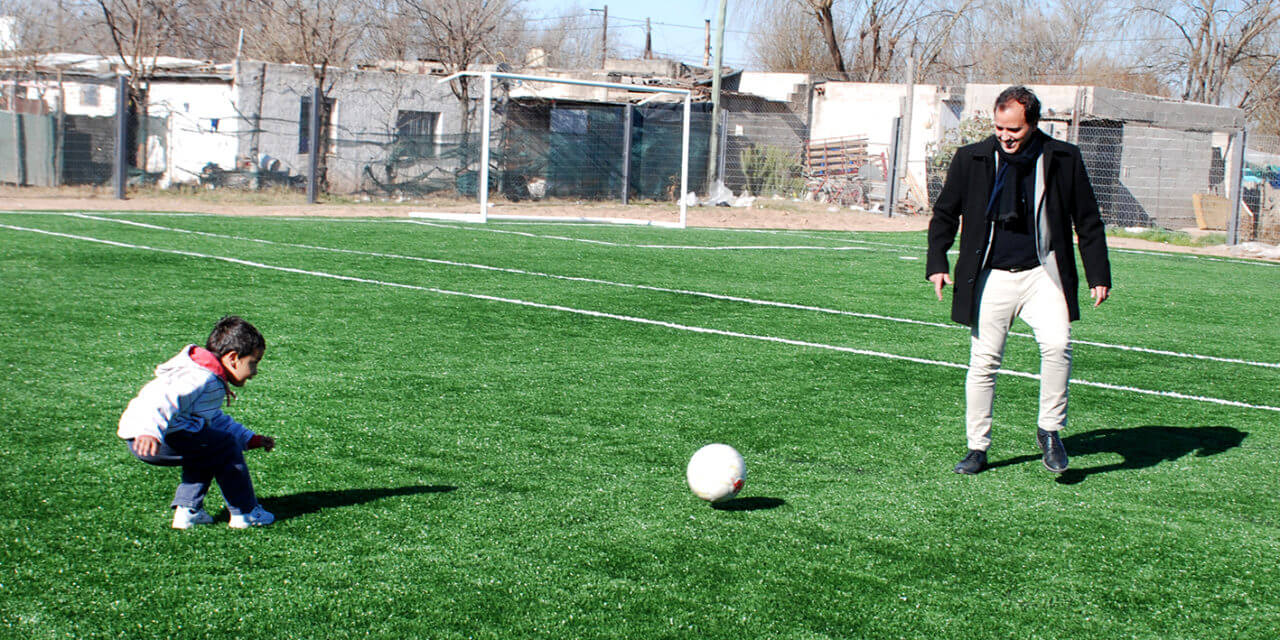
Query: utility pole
{"points": [[648, 40], [604, 39], [716, 64], [904, 136], [706, 53]]}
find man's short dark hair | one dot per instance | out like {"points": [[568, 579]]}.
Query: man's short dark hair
{"points": [[1023, 96], [233, 333]]}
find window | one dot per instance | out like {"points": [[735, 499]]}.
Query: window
{"points": [[416, 133], [416, 124], [304, 122]]}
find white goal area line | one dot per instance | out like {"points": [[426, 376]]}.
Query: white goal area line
{"points": [[687, 292], [635, 319]]}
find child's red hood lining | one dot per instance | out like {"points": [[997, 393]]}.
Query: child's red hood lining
{"points": [[206, 359]]}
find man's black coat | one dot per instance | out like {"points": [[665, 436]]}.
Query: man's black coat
{"points": [[1069, 202]]}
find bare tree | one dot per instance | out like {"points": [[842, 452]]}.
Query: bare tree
{"points": [[320, 35], [1044, 42], [138, 30], [822, 10], [459, 33], [864, 40], [1215, 38], [788, 41], [571, 40]]}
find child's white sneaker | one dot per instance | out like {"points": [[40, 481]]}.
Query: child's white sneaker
{"points": [[259, 517], [186, 517]]}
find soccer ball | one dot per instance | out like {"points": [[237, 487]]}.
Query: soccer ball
{"points": [[716, 472]]}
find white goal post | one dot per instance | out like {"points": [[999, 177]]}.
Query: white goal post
{"points": [[489, 77]]}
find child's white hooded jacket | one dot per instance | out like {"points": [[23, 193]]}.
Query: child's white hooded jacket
{"points": [[185, 395]]}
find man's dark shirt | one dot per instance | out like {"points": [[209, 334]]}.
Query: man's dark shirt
{"points": [[1013, 245]]}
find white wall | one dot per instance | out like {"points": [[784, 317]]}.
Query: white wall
{"points": [[772, 86], [8, 33], [80, 98], [202, 128], [849, 109], [1055, 100]]}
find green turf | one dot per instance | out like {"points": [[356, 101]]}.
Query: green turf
{"points": [[454, 467]]}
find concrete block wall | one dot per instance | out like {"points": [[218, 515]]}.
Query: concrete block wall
{"points": [[1163, 168], [363, 123]]}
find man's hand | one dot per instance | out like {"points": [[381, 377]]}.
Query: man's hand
{"points": [[939, 281], [146, 446], [1099, 295]]}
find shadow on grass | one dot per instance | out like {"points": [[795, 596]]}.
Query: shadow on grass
{"points": [[748, 504], [291, 506], [1141, 447]]}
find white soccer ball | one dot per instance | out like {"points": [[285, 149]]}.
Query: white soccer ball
{"points": [[716, 472]]}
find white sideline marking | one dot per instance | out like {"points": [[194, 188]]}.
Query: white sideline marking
{"points": [[1257, 262], [703, 294], [638, 320], [640, 246], [804, 234], [1195, 256]]}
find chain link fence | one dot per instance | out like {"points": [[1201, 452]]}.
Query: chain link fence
{"points": [[1260, 191], [1146, 176], [407, 136]]}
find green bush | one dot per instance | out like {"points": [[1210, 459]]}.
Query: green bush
{"points": [[939, 154], [772, 170]]}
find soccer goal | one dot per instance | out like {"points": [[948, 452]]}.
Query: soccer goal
{"points": [[540, 142]]}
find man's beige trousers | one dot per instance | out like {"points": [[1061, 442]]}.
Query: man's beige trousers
{"points": [[1038, 300]]}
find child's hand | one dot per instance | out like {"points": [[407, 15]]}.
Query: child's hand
{"points": [[146, 445], [266, 442]]}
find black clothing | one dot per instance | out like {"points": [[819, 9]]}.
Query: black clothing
{"points": [[1069, 205]]}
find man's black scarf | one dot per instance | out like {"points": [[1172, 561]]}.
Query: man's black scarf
{"points": [[1010, 190]]}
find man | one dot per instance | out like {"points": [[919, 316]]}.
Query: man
{"points": [[1019, 194]]}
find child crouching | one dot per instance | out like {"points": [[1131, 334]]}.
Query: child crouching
{"points": [[177, 420]]}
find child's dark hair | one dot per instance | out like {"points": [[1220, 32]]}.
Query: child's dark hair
{"points": [[233, 333]]}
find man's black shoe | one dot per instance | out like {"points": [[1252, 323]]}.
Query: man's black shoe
{"points": [[973, 463], [1055, 455]]}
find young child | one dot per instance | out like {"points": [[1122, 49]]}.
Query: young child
{"points": [[177, 420]]}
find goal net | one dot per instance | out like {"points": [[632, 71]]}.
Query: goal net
{"points": [[567, 150]]}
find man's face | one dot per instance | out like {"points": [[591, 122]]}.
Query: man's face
{"points": [[1012, 129]]}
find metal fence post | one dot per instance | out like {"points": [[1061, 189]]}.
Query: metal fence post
{"points": [[1237, 193], [891, 187], [313, 146], [19, 155], [628, 114], [724, 144], [59, 135], [122, 136]]}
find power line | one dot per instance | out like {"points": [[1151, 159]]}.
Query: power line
{"points": [[1115, 40]]}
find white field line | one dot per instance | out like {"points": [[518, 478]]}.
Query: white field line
{"points": [[639, 246], [790, 233], [1195, 256], [786, 232], [638, 320], [687, 292], [795, 233]]}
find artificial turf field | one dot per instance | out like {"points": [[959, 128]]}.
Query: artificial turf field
{"points": [[482, 433]]}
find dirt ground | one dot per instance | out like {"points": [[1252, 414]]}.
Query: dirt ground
{"points": [[764, 214]]}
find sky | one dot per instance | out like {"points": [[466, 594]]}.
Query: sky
{"points": [[679, 30]]}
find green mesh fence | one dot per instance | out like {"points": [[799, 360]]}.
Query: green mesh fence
{"points": [[550, 150]]}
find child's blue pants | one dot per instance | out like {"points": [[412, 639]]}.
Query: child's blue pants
{"points": [[206, 455]]}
